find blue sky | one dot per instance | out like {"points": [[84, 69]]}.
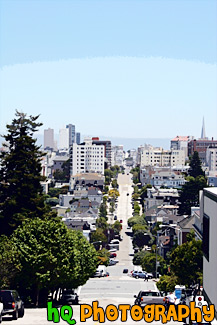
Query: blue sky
{"points": [[113, 68]]}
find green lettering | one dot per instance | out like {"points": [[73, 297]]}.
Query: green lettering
{"points": [[52, 313], [67, 316]]}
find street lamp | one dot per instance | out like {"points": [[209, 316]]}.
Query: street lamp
{"points": [[173, 226]]}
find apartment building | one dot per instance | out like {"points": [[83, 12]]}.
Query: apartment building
{"points": [[107, 151], [150, 156], [87, 157], [117, 155], [180, 143], [161, 176], [201, 146], [208, 224], [211, 158]]}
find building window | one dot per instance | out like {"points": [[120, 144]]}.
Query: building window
{"points": [[206, 236]]}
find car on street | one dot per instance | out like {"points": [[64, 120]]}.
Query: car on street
{"points": [[12, 303], [69, 297], [121, 221], [1, 309], [112, 250], [113, 262], [125, 270], [139, 274], [127, 194], [115, 218], [150, 275], [112, 255], [148, 297], [114, 241]]}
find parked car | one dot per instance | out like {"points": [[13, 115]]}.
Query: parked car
{"points": [[125, 270], [69, 297], [114, 241], [115, 218], [139, 274], [113, 262], [150, 275], [112, 255], [1, 309], [121, 221], [12, 303], [127, 194]]}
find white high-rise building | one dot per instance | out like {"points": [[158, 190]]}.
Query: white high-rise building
{"points": [[87, 157], [49, 138], [64, 139], [117, 155], [211, 158]]}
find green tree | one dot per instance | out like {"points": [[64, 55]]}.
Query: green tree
{"points": [[167, 283], [139, 227], [103, 257], [101, 222], [20, 174], [114, 183], [50, 256], [187, 262], [137, 259], [98, 235], [103, 209], [63, 175], [149, 263], [117, 227], [140, 238], [189, 195], [9, 264], [195, 166], [137, 220]]}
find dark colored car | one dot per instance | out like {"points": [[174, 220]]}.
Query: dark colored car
{"points": [[12, 303], [125, 270], [115, 218], [69, 297]]}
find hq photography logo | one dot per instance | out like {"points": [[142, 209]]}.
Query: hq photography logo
{"points": [[149, 313]]}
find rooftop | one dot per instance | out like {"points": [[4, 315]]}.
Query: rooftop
{"points": [[180, 138]]}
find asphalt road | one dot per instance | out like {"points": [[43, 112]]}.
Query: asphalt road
{"points": [[118, 288]]}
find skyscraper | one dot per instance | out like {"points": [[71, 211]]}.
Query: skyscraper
{"points": [[64, 138], [71, 128], [203, 133], [78, 137], [49, 138]]}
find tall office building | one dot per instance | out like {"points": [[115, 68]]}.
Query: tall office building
{"points": [[64, 139], [71, 128], [49, 138], [78, 137]]}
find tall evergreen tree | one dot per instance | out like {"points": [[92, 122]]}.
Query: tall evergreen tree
{"points": [[189, 196], [20, 174], [195, 166]]}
